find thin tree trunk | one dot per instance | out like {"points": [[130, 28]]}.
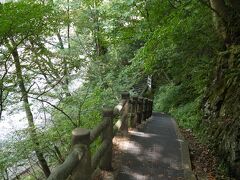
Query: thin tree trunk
{"points": [[1, 99], [65, 66], [100, 49], [65, 63], [33, 133]]}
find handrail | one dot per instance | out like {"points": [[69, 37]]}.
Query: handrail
{"points": [[118, 108], [64, 170], [97, 157], [144, 90], [98, 130], [79, 164]]}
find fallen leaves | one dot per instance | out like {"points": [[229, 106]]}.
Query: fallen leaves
{"points": [[203, 161]]}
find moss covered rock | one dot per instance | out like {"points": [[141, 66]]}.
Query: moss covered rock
{"points": [[222, 107]]}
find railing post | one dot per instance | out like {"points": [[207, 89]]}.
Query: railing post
{"points": [[107, 135], [144, 117], [81, 137], [151, 108], [124, 117], [130, 102], [148, 108], [139, 110], [133, 111]]}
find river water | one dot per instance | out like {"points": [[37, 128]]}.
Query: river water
{"points": [[14, 118]]}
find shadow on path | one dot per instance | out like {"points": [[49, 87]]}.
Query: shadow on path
{"points": [[152, 153]]}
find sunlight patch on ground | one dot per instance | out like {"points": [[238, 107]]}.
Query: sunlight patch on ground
{"points": [[137, 175], [180, 140], [154, 153], [141, 134], [130, 147]]}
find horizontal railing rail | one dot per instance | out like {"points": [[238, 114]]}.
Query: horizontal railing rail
{"points": [[80, 164]]}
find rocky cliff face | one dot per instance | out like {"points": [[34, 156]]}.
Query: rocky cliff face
{"points": [[221, 107]]}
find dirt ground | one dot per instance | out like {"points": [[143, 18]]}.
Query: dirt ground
{"points": [[204, 163]]}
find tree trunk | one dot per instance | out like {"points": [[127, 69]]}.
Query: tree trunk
{"points": [[235, 4], [220, 8], [226, 17], [2, 89], [220, 17], [100, 48], [32, 128]]}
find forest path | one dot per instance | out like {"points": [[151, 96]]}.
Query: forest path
{"points": [[156, 152]]}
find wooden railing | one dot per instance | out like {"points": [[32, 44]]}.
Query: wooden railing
{"points": [[80, 164]]}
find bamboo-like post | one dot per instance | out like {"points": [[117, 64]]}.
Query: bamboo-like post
{"points": [[124, 116], [107, 135], [139, 110], [81, 138]]}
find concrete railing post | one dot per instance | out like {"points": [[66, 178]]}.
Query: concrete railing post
{"points": [[133, 112], [139, 110], [135, 119], [144, 110], [151, 107], [130, 102], [107, 135], [83, 171], [124, 116], [148, 108]]}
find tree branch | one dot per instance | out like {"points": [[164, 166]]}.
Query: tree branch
{"points": [[57, 108], [81, 105]]}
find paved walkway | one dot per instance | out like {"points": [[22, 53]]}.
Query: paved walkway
{"points": [[153, 153]]}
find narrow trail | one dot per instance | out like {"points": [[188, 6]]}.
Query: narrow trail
{"points": [[153, 153]]}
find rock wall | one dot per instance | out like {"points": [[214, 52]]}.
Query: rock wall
{"points": [[221, 107]]}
